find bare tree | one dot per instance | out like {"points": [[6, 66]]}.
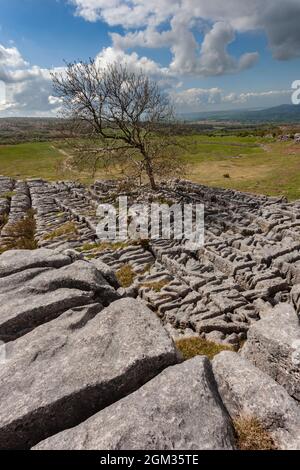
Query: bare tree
{"points": [[127, 117]]}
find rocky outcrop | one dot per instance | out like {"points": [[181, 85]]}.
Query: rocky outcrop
{"points": [[295, 297], [180, 409], [107, 272], [251, 254], [19, 205], [15, 261], [248, 392], [69, 368], [79, 346], [37, 286], [273, 345]]}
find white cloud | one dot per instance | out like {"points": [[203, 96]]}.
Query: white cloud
{"points": [[197, 99], [55, 100], [27, 88], [113, 55], [214, 58], [22, 75], [246, 97], [278, 19], [11, 57], [190, 58], [128, 13], [198, 34]]}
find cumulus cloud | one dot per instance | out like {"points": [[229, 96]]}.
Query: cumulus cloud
{"points": [[190, 58], [246, 97], [214, 58], [111, 55], [278, 19], [128, 13], [142, 19], [198, 34], [195, 99], [11, 57], [27, 88]]}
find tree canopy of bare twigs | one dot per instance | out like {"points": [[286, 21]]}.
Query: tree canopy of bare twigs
{"points": [[126, 116]]}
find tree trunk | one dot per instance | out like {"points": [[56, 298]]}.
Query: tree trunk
{"points": [[149, 171]]}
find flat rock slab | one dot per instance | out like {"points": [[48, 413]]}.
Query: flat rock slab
{"points": [[14, 261], [247, 391], [179, 409], [19, 315], [107, 272], [64, 371], [295, 297], [33, 295], [273, 346]]}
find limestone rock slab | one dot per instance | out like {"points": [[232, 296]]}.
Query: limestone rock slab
{"points": [[64, 371], [179, 409]]}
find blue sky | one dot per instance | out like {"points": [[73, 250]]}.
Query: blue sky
{"points": [[46, 32], [208, 55]]}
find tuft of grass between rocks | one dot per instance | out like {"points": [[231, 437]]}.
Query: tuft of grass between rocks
{"points": [[8, 195], [126, 275], [22, 234], [156, 286], [191, 347], [99, 247], [66, 230], [251, 434], [3, 220]]}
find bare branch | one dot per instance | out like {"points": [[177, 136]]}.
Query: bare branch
{"points": [[125, 113]]}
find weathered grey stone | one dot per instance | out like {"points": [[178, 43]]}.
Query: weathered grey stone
{"points": [[70, 368], [16, 281], [14, 261], [273, 345], [254, 239], [36, 295], [79, 275], [73, 254], [176, 333], [180, 409], [20, 314], [107, 272], [295, 297], [215, 337], [222, 325], [247, 391]]}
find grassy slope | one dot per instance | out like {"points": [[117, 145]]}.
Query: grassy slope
{"points": [[30, 160], [253, 164], [269, 168]]}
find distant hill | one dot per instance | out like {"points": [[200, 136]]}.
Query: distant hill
{"points": [[17, 130], [286, 113]]}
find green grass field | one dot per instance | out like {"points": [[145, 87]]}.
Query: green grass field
{"points": [[30, 160], [243, 163], [271, 168]]}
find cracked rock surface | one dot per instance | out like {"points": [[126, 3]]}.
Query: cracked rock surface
{"points": [[88, 327], [161, 415]]}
